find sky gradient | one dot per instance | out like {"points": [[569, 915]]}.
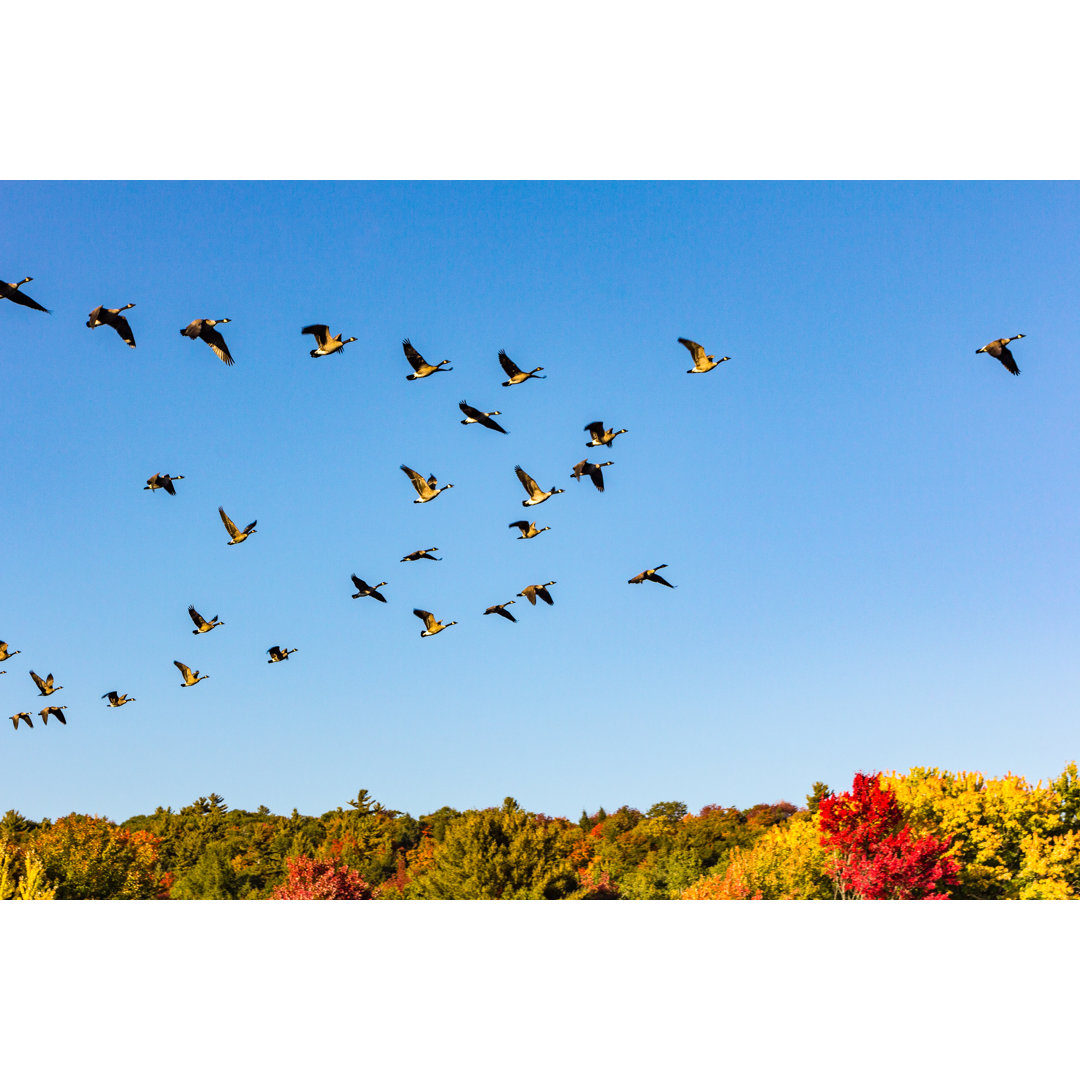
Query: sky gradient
{"points": [[872, 529]]}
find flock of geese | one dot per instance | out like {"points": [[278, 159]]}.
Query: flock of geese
{"points": [[427, 488]]}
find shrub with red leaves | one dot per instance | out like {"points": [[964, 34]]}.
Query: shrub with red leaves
{"points": [[321, 879], [877, 858]]}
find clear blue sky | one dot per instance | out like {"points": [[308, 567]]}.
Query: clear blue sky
{"points": [[873, 530]]}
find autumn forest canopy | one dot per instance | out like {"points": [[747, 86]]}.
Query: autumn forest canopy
{"points": [[924, 834]]}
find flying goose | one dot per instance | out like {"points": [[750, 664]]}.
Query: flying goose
{"points": [[585, 468], [421, 554], [4, 654], [161, 481], [475, 416], [999, 350], [531, 592], [277, 653], [110, 316], [45, 685], [500, 609], [190, 677], [651, 575], [528, 529], [702, 363], [433, 625], [116, 700], [53, 710], [533, 488], [9, 290], [366, 589], [201, 625], [24, 717], [600, 437], [514, 374], [426, 489], [421, 368], [238, 537], [328, 342], [204, 329]]}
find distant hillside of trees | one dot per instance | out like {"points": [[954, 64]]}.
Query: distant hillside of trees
{"points": [[925, 834]]}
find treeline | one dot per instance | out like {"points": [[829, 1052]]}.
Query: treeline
{"points": [[922, 834]]}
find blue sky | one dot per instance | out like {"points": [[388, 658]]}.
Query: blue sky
{"points": [[872, 529]]}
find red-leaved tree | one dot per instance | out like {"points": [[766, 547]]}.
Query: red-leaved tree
{"points": [[321, 879], [876, 856]]}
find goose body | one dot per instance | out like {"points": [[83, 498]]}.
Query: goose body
{"points": [[9, 290], [421, 368], [367, 590], [190, 677], [500, 609], [277, 654], [53, 710], [103, 316], [431, 624], [414, 556], [162, 481], [475, 416], [24, 717], [528, 529], [238, 536], [514, 374], [999, 350], [426, 489], [600, 437], [651, 575], [203, 329], [531, 592], [535, 493], [116, 699], [45, 685], [201, 625], [702, 363], [593, 472], [5, 654], [327, 342]]}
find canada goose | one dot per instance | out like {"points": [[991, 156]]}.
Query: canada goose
{"points": [[24, 717], [585, 468], [366, 589], [45, 685], [9, 290], [702, 363], [201, 625], [277, 653], [475, 416], [514, 374], [238, 537], [528, 529], [500, 609], [432, 624], [204, 329], [421, 368], [426, 489], [115, 699], [53, 710], [651, 575], [4, 654], [533, 488], [531, 592], [110, 316], [421, 554], [328, 342], [161, 481], [190, 677], [600, 437], [999, 351]]}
